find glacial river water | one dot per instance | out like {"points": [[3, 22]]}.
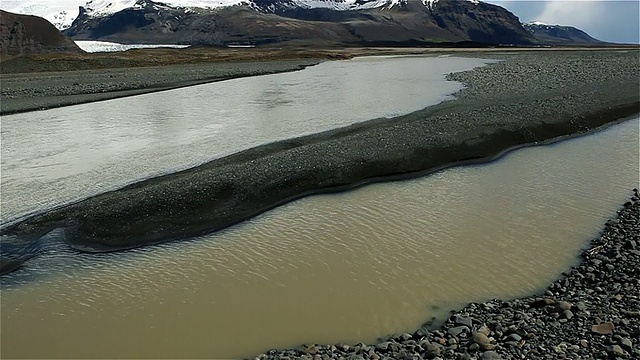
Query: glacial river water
{"points": [[59, 155], [331, 268]]}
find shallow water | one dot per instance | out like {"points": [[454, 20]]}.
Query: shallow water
{"points": [[60, 155], [331, 268]]}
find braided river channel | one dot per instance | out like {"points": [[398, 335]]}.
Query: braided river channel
{"points": [[348, 267]]}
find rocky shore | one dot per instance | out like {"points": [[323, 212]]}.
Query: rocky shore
{"points": [[592, 312], [526, 99]]}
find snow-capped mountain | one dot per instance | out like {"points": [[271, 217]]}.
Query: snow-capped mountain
{"points": [[105, 7], [61, 13], [108, 7], [559, 34], [310, 22], [364, 22], [222, 22]]}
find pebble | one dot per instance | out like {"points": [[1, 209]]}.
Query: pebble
{"points": [[455, 331], [625, 343], [491, 355], [603, 329], [563, 306], [616, 350]]}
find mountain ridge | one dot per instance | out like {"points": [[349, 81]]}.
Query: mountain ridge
{"points": [[310, 22], [560, 34], [274, 21]]}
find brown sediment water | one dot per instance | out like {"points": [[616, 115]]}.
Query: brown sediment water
{"points": [[345, 267]]}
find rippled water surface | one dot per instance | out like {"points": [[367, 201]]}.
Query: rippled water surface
{"points": [[332, 268], [59, 155]]}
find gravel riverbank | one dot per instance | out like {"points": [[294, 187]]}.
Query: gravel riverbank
{"points": [[592, 312], [37, 91], [529, 98]]}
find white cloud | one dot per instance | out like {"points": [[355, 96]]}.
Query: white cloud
{"points": [[579, 14]]}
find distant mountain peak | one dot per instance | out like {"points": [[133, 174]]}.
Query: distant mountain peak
{"points": [[366, 22], [559, 34], [258, 22]]}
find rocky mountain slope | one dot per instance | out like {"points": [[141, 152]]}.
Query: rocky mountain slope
{"points": [[558, 34], [344, 22], [26, 34]]}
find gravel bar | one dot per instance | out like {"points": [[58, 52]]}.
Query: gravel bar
{"points": [[526, 99], [39, 91], [592, 312]]}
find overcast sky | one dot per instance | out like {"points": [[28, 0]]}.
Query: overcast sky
{"points": [[607, 20]]}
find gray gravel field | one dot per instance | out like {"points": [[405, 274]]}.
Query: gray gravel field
{"points": [[37, 91]]}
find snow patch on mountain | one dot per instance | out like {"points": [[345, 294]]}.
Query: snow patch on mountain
{"points": [[532, 25], [540, 23], [432, 3], [107, 7], [343, 5], [62, 19], [60, 13]]}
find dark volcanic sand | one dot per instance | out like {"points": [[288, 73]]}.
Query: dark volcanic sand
{"points": [[528, 98]]}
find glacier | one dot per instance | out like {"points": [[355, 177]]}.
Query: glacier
{"points": [[104, 46]]}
